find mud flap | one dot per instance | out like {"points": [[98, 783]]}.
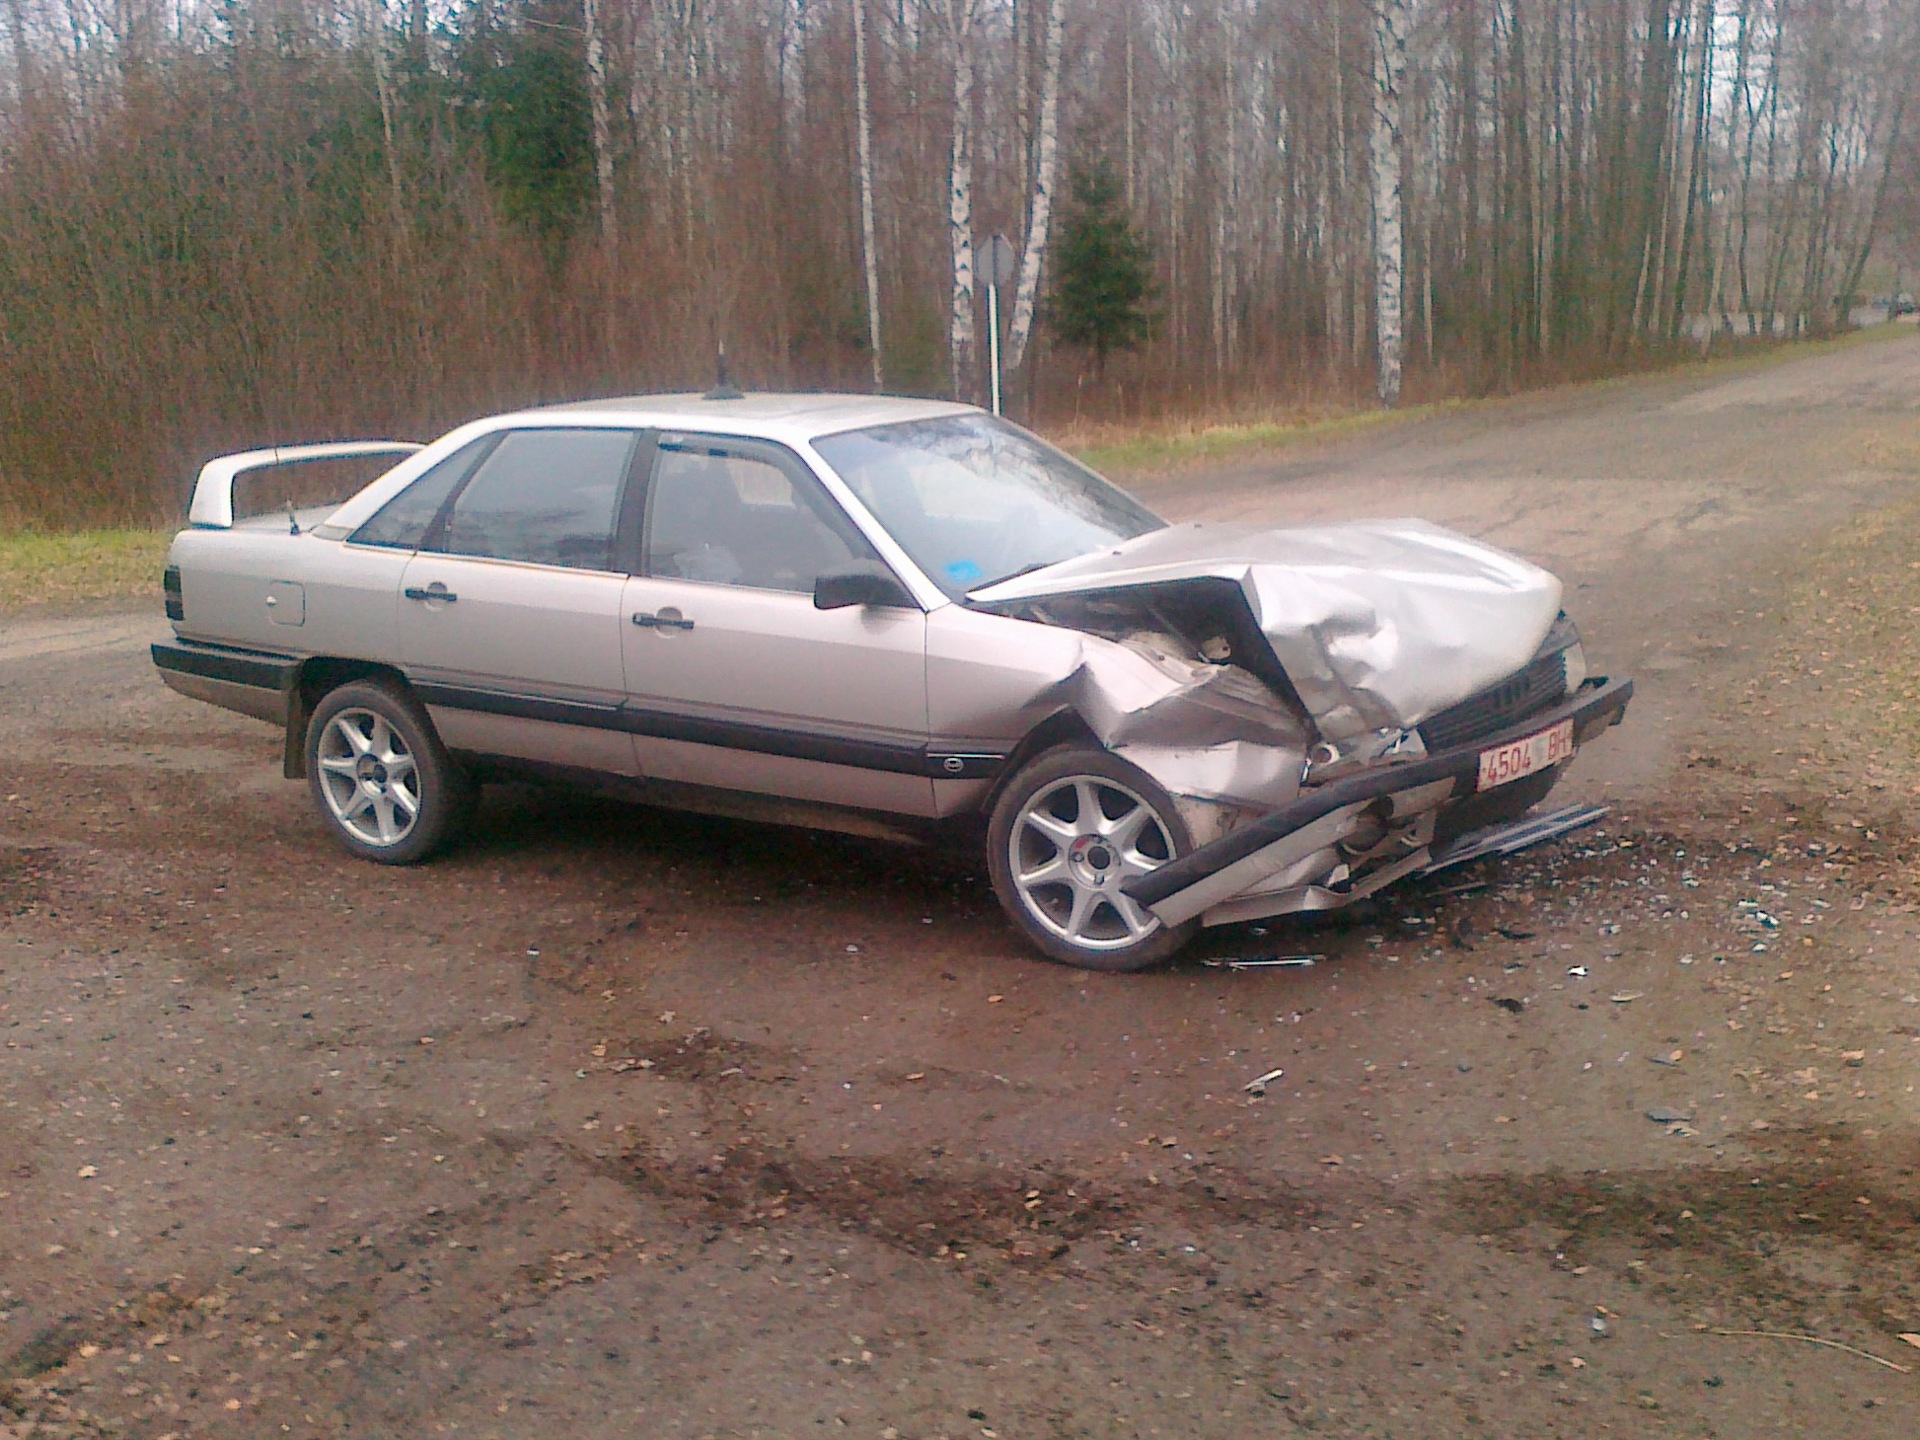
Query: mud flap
{"points": [[293, 755]]}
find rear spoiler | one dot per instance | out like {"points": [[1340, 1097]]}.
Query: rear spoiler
{"points": [[213, 492]]}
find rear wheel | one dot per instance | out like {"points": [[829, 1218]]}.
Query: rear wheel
{"points": [[380, 777], [1068, 831]]}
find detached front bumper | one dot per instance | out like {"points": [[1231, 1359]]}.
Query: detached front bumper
{"points": [[1247, 859]]}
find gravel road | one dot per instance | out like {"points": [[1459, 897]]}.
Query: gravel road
{"points": [[616, 1121]]}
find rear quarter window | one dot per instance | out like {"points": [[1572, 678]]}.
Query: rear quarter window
{"points": [[403, 522]]}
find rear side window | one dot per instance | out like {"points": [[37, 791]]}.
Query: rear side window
{"points": [[545, 496], [403, 522]]}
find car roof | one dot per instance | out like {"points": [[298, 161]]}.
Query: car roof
{"points": [[791, 418]]}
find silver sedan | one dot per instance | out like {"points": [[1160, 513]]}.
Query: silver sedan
{"points": [[894, 617]]}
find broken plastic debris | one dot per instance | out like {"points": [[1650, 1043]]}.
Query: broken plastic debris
{"points": [[1661, 1115], [1267, 962], [1627, 997], [1579, 972], [1258, 1085]]}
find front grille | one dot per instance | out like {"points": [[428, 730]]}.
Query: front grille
{"points": [[1543, 682]]}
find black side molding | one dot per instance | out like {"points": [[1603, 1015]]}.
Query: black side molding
{"points": [[258, 669], [1598, 704], [897, 757]]}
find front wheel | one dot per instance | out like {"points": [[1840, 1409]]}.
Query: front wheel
{"points": [[380, 777], [1067, 832]]}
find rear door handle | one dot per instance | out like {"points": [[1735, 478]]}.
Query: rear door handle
{"points": [[661, 622], [435, 591]]}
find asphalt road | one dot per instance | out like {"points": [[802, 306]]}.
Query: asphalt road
{"points": [[615, 1120]]}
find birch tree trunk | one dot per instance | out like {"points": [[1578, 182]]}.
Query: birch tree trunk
{"points": [[375, 32], [1390, 66], [602, 125], [869, 260], [791, 41], [1040, 215], [961, 15], [22, 56]]}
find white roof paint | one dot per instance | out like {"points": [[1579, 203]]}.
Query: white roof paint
{"points": [[790, 419]]}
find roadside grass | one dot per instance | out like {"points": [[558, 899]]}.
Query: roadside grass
{"points": [[1841, 692], [40, 570], [1158, 445], [1123, 448], [1893, 447]]}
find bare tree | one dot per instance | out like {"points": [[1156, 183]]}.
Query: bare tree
{"points": [[869, 260], [602, 125], [1537, 187], [962, 19], [1033, 254], [1389, 72]]}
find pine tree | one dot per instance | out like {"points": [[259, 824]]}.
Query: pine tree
{"points": [[1102, 275]]}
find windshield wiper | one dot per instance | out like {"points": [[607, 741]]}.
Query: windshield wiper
{"points": [[1016, 574]]}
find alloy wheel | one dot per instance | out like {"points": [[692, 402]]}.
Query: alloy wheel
{"points": [[1072, 846], [369, 778]]}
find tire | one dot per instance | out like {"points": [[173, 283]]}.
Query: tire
{"points": [[372, 754], [1080, 918]]}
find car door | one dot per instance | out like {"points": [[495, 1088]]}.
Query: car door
{"points": [[734, 678], [510, 616]]}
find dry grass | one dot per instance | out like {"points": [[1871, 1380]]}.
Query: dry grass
{"points": [[1132, 447], [1845, 680], [1122, 448], [40, 571], [1893, 447]]}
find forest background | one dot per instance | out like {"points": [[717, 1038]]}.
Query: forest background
{"points": [[229, 223]]}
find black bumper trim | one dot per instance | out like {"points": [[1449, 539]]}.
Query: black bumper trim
{"points": [[1599, 703], [257, 669]]}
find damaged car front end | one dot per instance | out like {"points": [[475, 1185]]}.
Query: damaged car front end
{"points": [[1329, 710]]}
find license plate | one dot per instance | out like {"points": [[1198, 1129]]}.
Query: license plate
{"points": [[1506, 763]]}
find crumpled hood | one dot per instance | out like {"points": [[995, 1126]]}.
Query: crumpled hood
{"points": [[1378, 624]]}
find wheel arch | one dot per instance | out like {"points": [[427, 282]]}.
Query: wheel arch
{"points": [[312, 682], [1063, 727]]}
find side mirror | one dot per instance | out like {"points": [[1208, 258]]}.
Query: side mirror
{"points": [[864, 582]]}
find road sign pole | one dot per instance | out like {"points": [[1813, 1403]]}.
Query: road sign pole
{"points": [[1000, 271], [993, 342]]}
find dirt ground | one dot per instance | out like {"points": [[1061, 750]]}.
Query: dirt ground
{"points": [[619, 1122]]}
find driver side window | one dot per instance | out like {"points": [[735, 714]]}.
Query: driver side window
{"points": [[742, 515]]}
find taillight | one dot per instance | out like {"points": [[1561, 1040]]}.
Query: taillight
{"points": [[170, 583]]}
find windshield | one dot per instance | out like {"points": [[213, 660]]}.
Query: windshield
{"points": [[974, 500]]}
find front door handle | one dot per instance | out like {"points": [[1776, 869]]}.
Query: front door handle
{"points": [[663, 621], [435, 591]]}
